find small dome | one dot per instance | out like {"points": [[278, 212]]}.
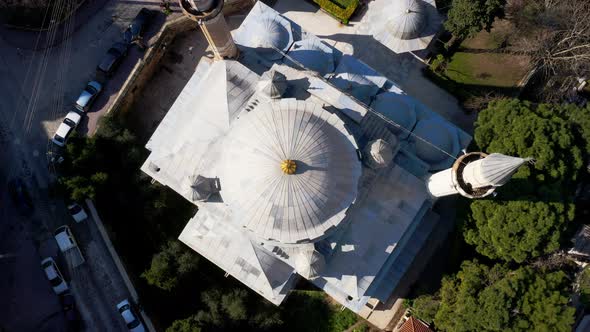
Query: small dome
{"points": [[438, 136], [408, 19], [201, 188], [272, 84], [271, 35], [313, 55], [378, 154], [399, 108], [309, 263]]}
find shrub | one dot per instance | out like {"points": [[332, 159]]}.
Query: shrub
{"points": [[340, 12]]}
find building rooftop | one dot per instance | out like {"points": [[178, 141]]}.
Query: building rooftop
{"points": [[288, 192]]}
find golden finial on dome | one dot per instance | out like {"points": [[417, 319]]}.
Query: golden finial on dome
{"points": [[288, 166]]}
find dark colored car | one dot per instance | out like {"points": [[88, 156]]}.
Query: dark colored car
{"points": [[138, 25], [112, 59], [71, 312], [20, 196]]}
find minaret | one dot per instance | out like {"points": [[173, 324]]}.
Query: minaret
{"points": [[210, 18], [474, 175]]}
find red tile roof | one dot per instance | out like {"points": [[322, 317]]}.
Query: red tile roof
{"points": [[414, 325]]}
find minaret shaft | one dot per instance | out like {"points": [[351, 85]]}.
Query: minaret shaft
{"points": [[208, 14]]}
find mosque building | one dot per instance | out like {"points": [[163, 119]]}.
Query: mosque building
{"points": [[306, 162]]}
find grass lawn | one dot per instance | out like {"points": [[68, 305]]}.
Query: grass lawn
{"points": [[487, 69]]}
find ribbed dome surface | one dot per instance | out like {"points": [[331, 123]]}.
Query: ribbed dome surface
{"points": [[408, 19], [275, 205], [439, 134], [398, 108], [271, 35], [314, 55], [378, 154], [309, 263]]}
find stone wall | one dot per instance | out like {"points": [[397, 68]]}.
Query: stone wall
{"points": [[146, 67]]}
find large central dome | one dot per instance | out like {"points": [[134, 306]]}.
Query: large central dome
{"points": [[290, 171]]}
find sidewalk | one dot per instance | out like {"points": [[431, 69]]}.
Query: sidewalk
{"points": [[103, 233]]}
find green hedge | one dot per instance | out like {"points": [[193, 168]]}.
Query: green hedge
{"points": [[341, 10]]}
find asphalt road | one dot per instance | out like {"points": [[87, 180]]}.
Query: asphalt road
{"points": [[37, 89]]}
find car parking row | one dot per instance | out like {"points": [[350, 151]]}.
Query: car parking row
{"points": [[104, 70], [63, 235]]}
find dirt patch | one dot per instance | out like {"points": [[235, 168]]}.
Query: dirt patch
{"points": [[492, 40]]}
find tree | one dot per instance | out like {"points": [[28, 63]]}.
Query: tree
{"points": [[190, 324], [482, 298], [232, 309], [468, 17], [516, 230], [533, 210], [171, 264], [556, 34], [424, 307]]}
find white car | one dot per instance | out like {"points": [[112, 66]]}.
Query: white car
{"points": [[66, 127], [88, 95], [133, 323], [68, 246], [77, 212], [54, 276]]}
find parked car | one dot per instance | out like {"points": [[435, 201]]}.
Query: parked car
{"points": [[77, 212], [88, 95], [112, 59], [71, 313], [131, 319], [68, 246], [138, 25], [55, 277], [20, 196], [64, 130]]}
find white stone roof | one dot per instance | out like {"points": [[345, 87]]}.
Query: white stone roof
{"points": [[402, 25], [313, 54], [208, 125], [309, 263], [266, 32], [399, 109], [436, 142], [289, 208]]}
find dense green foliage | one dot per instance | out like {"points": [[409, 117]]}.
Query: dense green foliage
{"points": [[237, 309], [480, 298], [468, 17], [190, 324], [584, 283], [424, 307], [516, 230], [340, 9], [172, 263], [532, 211], [319, 314]]}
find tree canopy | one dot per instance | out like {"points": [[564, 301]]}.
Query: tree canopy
{"points": [[468, 17], [533, 210], [234, 308], [171, 264], [482, 298]]}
